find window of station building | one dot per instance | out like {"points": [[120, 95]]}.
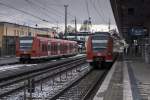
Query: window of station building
{"points": [[15, 33], [22, 33], [131, 11], [29, 34]]}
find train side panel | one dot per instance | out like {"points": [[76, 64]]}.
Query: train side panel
{"points": [[28, 48], [89, 50]]}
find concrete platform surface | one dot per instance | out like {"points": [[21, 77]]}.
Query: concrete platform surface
{"points": [[128, 79], [8, 60]]}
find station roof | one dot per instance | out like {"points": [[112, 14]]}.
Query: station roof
{"points": [[129, 13]]}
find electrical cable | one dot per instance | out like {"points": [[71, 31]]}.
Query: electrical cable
{"points": [[101, 16], [87, 8], [35, 7], [24, 12]]}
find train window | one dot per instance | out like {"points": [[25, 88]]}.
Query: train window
{"points": [[49, 47], [58, 46], [99, 37], [42, 47], [54, 47], [99, 46], [45, 47]]}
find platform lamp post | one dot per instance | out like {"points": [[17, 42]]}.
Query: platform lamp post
{"points": [[75, 26], [66, 6], [36, 29], [6, 43]]}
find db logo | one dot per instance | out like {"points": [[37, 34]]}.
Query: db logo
{"points": [[99, 54]]}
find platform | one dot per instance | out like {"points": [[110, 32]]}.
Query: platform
{"points": [[8, 60], [128, 79]]}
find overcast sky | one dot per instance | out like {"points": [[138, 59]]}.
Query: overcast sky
{"points": [[31, 12]]}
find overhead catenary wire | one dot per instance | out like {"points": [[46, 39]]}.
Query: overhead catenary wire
{"points": [[100, 14], [101, 8], [44, 7], [87, 8], [56, 10], [35, 6], [24, 12], [53, 10]]}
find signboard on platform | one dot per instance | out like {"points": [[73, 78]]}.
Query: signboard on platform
{"points": [[138, 31]]}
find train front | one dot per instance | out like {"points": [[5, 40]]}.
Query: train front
{"points": [[24, 48], [99, 49]]}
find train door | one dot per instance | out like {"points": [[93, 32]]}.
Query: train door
{"points": [[43, 49], [49, 48], [58, 48], [52, 48], [61, 48], [68, 48], [55, 48]]}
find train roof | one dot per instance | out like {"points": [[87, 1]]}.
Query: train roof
{"points": [[47, 39], [54, 39]]}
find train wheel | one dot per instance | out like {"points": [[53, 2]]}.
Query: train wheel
{"points": [[97, 65], [108, 65], [91, 63]]}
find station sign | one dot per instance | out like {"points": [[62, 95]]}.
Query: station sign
{"points": [[138, 31]]}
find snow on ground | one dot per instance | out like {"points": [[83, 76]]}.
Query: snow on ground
{"points": [[51, 86], [17, 66]]}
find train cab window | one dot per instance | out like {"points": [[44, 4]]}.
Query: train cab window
{"points": [[26, 43], [99, 43]]}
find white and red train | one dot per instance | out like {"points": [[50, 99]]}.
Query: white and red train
{"points": [[100, 50], [29, 48]]}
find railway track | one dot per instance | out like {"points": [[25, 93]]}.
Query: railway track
{"points": [[18, 83], [83, 87]]}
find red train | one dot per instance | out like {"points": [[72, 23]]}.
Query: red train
{"points": [[99, 50], [28, 48]]}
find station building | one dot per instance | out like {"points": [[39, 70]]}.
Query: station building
{"points": [[9, 32]]}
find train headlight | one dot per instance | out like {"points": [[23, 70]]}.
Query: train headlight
{"points": [[109, 54]]}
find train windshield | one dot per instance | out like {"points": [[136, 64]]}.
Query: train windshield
{"points": [[99, 43], [26, 43]]}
